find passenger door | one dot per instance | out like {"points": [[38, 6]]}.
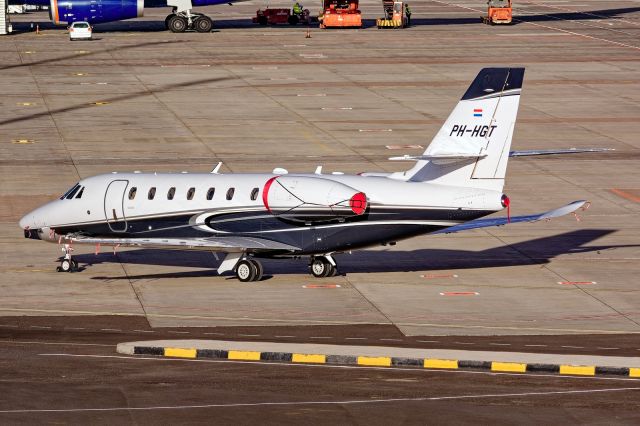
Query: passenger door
{"points": [[113, 205]]}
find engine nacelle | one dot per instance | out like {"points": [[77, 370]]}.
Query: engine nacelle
{"points": [[310, 198], [64, 12]]}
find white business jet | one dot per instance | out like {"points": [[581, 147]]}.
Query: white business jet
{"points": [[458, 179]]}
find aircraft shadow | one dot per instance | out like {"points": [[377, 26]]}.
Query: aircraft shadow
{"points": [[538, 251]]}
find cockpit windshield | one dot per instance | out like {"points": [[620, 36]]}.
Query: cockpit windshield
{"points": [[71, 192]]}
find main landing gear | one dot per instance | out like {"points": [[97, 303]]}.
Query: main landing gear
{"points": [[67, 264], [249, 270], [323, 266], [179, 22]]}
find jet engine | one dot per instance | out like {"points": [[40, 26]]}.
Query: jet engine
{"points": [[311, 198], [94, 11]]}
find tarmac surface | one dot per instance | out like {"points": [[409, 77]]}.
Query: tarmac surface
{"points": [[140, 98]]}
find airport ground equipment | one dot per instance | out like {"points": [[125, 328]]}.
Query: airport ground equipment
{"points": [[274, 16], [340, 14], [499, 12], [394, 16], [4, 20]]}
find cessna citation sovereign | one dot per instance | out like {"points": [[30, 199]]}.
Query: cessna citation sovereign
{"points": [[458, 179]]}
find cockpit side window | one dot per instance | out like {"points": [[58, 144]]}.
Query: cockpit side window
{"points": [[69, 191], [80, 193], [73, 192]]}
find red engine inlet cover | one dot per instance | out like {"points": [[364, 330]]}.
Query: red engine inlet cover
{"points": [[358, 203]]}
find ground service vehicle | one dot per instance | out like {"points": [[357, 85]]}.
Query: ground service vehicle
{"points": [[80, 31], [394, 16], [499, 12], [340, 14]]}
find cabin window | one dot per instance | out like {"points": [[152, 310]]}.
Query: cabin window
{"points": [[254, 194], [210, 193], [80, 193], [132, 193], [190, 193], [171, 193], [73, 192], [69, 191], [230, 193], [152, 193]]}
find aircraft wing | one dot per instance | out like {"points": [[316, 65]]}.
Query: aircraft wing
{"points": [[224, 244], [499, 221]]}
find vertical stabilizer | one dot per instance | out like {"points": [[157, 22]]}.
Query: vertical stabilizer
{"points": [[472, 147]]}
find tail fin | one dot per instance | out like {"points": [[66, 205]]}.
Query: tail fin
{"points": [[472, 147]]}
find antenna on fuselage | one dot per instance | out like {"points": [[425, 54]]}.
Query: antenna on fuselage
{"points": [[216, 169]]}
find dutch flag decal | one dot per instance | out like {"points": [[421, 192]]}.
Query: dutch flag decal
{"points": [[477, 112]]}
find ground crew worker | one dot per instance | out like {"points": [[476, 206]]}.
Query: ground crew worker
{"points": [[407, 11], [297, 9]]}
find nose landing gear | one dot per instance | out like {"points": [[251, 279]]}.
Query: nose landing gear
{"points": [[67, 264]]}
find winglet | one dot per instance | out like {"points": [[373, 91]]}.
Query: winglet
{"points": [[216, 169]]}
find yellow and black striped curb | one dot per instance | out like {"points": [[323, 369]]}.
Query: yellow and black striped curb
{"points": [[384, 361]]}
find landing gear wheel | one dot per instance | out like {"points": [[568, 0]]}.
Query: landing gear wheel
{"points": [[166, 21], [65, 266], [259, 269], [246, 271], [177, 24], [204, 24], [321, 268]]}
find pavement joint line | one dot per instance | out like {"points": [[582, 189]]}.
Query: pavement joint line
{"points": [[376, 361]]}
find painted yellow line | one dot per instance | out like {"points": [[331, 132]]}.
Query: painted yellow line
{"points": [[579, 370], [381, 361], [634, 372], [180, 352], [244, 355], [315, 359], [511, 367], [440, 363]]}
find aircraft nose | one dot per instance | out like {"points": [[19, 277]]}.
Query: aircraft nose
{"points": [[26, 221]]}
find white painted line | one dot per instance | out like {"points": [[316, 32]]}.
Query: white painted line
{"points": [[40, 326], [609, 349], [144, 331], [537, 346], [355, 338], [110, 329], [297, 403], [265, 68], [216, 334], [500, 344], [311, 94], [533, 34], [21, 342], [336, 108], [392, 340], [375, 130], [428, 341], [294, 45], [312, 56], [405, 147], [178, 332], [73, 328], [464, 343], [8, 325], [573, 347], [249, 335], [284, 337], [324, 337]]}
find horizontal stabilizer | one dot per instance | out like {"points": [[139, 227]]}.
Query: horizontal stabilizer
{"points": [[499, 221], [436, 157], [224, 244], [532, 152]]}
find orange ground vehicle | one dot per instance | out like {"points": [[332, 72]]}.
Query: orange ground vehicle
{"points": [[340, 14], [499, 12]]}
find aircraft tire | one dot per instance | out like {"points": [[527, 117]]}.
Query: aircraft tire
{"points": [[65, 265], [320, 267], [177, 24], [259, 269], [204, 24], [246, 271], [166, 22]]}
